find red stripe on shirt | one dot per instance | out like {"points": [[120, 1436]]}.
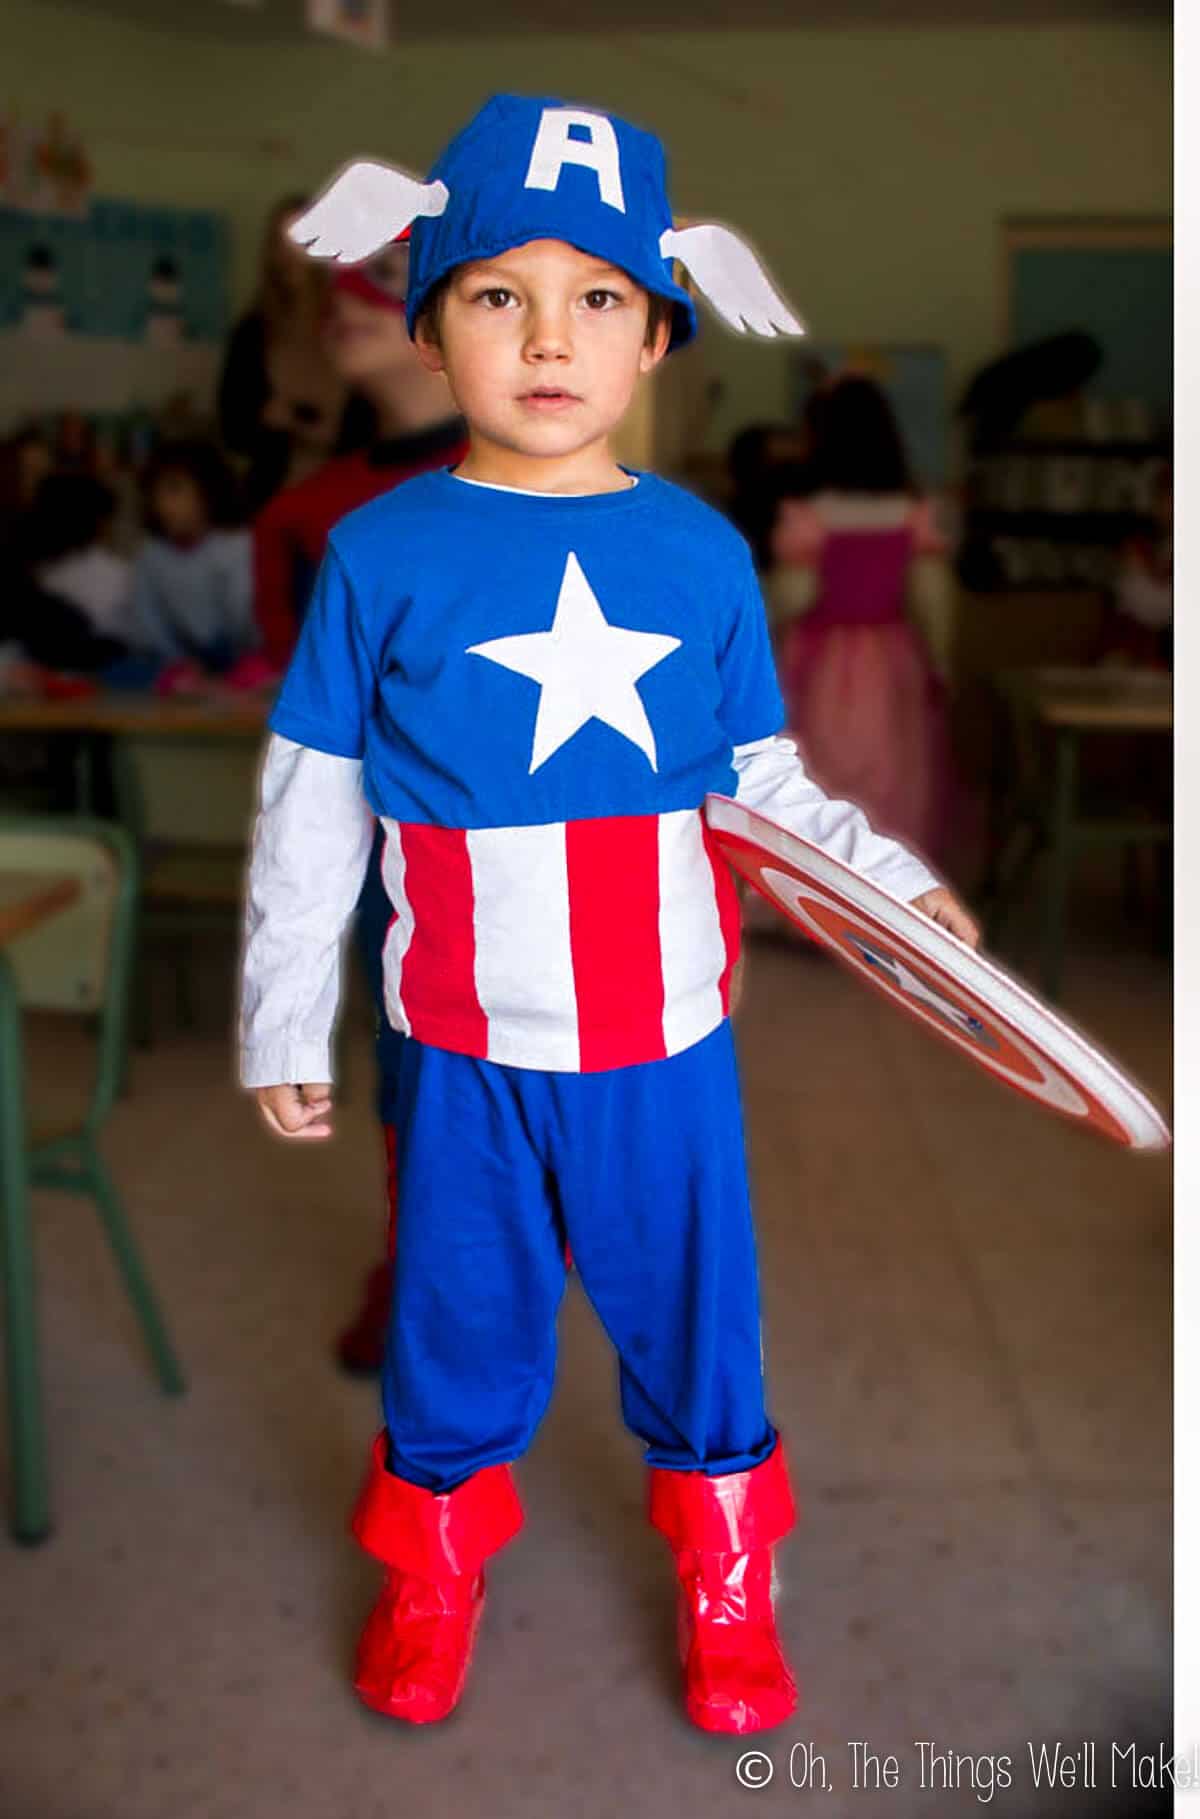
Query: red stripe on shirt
{"points": [[437, 979], [612, 877], [729, 911]]}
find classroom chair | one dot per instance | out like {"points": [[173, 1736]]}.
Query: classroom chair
{"points": [[189, 804], [78, 962]]}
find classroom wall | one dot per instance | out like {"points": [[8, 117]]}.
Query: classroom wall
{"points": [[869, 167]]}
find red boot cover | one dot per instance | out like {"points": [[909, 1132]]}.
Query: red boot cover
{"points": [[434, 1535], [721, 1529], [723, 1515], [414, 1653]]}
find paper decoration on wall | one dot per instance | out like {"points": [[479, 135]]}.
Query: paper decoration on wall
{"points": [[43, 167], [913, 376], [362, 22], [125, 305]]}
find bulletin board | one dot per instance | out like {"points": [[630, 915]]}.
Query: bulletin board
{"points": [[117, 309]]}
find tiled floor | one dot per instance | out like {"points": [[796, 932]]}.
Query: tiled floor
{"points": [[967, 1315]]}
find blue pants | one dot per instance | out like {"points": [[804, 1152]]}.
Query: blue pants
{"points": [[642, 1170]]}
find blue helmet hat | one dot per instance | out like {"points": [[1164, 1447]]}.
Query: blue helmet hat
{"points": [[528, 168]]}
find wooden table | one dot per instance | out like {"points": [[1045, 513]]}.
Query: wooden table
{"points": [[91, 721], [1069, 705], [26, 900], [242, 716]]}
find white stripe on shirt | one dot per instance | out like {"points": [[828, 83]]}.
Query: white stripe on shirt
{"points": [[524, 974]]}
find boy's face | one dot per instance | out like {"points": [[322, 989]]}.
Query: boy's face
{"points": [[543, 347]]}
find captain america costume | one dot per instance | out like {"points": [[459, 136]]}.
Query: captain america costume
{"points": [[532, 694]]}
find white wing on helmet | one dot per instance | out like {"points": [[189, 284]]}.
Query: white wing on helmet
{"points": [[729, 274], [364, 208]]}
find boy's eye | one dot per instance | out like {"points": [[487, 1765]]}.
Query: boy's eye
{"points": [[490, 295], [604, 299]]}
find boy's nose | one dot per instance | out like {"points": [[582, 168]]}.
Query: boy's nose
{"points": [[549, 338]]}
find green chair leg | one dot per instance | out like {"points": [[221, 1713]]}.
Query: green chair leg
{"points": [[136, 1281], [140, 1024], [30, 1507], [1012, 871]]}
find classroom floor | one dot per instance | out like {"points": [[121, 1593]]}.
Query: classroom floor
{"points": [[968, 1332]]}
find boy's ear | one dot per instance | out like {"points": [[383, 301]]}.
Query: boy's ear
{"points": [[428, 352], [654, 352]]}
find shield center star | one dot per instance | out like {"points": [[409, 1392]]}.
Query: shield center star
{"points": [[587, 670]]}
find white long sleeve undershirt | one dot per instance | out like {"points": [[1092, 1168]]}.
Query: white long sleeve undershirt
{"points": [[772, 779], [312, 844]]}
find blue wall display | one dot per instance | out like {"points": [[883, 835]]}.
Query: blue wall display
{"points": [[117, 271]]}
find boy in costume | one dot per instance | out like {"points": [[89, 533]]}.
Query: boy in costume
{"points": [[535, 667]]}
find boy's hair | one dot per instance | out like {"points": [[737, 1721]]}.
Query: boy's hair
{"points": [[430, 319], [205, 467]]}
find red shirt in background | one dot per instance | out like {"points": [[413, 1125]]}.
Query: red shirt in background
{"points": [[292, 529]]}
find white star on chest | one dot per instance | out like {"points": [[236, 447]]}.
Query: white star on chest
{"points": [[587, 669]]}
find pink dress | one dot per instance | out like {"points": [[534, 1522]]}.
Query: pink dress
{"points": [[865, 704]]}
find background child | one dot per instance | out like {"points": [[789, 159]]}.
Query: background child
{"points": [[192, 604], [537, 666], [1141, 628], [63, 592], [69, 530], [865, 699]]}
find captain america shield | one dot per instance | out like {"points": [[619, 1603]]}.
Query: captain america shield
{"points": [[967, 1000]]}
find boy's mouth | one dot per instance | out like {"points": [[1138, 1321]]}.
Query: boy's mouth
{"points": [[548, 398]]}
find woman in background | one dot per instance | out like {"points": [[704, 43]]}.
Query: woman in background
{"points": [[857, 565], [406, 422], [280, 402]]}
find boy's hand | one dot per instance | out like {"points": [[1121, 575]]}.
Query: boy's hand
{"points": [[297, 1111], [943, 906]]}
